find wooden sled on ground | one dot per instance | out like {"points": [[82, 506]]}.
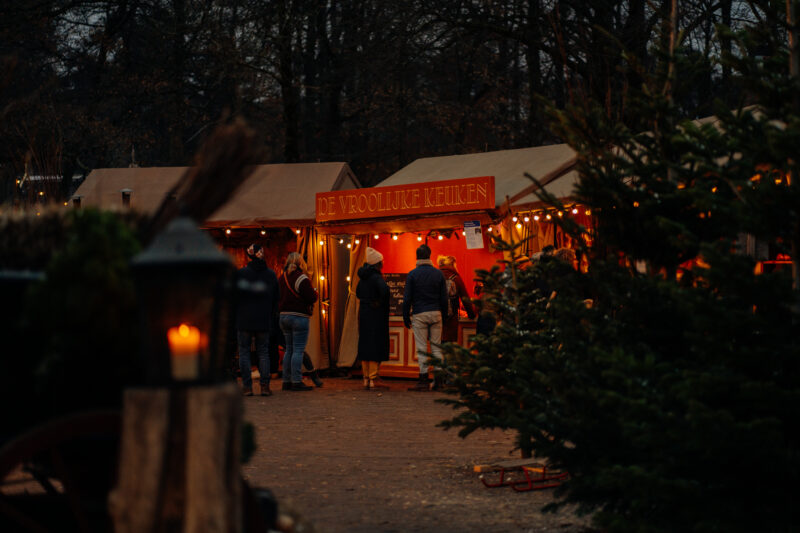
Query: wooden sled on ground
{"points": [[521, 475]]}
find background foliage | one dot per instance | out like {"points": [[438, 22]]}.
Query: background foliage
{"points": [[71, 339], [98, 83]]}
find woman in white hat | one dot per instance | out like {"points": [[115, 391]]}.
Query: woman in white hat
{"points": [[373, 319]]}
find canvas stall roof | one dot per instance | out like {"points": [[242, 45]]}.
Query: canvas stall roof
{"points": [[274, 195], [507, 166]]}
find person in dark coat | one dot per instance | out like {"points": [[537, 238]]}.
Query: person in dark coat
{"points": [[373, 319], [447, 264], [424, 306], [257, 290]]}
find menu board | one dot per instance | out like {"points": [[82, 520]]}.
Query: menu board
{"points": [[396, 283]]}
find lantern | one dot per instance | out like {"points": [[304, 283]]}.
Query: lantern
{"points": [[183, 284]]}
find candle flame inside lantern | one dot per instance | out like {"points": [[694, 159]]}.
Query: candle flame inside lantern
{"points": [[184, 348]]}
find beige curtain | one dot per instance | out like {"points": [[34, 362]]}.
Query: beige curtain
{"points": [[348, 346]]}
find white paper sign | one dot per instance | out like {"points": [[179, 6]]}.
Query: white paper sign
{"points": [[472, 231]]}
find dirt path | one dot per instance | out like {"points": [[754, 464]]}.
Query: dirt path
{"points": [[349, 460]]}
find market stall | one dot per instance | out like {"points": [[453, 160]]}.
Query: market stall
{"points": [[273, 207], [454, 204]]}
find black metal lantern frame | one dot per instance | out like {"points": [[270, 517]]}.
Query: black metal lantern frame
{"points": [[183, 284]]}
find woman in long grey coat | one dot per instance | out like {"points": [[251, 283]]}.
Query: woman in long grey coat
{"points": [[373, 319]]}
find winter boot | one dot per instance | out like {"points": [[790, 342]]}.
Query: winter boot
{"points": [[423, 384], [313, 374]]}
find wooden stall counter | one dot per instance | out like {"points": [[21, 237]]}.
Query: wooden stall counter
{"points": [[403, 362]]}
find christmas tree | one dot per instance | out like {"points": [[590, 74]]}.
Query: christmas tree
{"points": [[672, 401]]}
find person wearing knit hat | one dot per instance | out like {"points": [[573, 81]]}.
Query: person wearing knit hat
{"points": [[373, 319], [373, 256]]}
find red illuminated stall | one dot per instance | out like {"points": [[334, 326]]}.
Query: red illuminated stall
{"points": [[430, 201]]}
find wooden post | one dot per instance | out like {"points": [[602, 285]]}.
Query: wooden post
{"points": [[179, 465]]}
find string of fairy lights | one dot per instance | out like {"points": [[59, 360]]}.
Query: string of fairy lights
{"points": [[518, 220]]}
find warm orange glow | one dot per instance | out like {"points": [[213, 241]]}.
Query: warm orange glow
{"points": [[635, 204], [394, 237], [228, 231], [519, 226], [184, 349], [536, 217], [440, 237]]}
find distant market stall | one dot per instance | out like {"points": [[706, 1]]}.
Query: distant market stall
{"points": [[275, 207], [454, 204]]}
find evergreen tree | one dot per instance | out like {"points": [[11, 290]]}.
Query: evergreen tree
{"points": [[672, 400]]}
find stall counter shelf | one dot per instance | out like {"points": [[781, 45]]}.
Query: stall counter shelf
{"points": [[403, 360]]}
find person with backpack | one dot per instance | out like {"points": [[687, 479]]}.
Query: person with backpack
{"points": [[456, 294]]}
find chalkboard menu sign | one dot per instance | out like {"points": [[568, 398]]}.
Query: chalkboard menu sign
{"points": [[396, 283]]}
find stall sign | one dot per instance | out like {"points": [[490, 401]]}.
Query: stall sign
{"points": [[473, 234], [446, 196], [397, 284]]}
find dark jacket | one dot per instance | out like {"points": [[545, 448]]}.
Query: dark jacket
{"points": [[297, 294], [373, 315], [257, 296], [450, 325], [425, 290]]}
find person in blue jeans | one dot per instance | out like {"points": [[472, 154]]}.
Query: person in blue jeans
{"points": [[297, 298], [257, 303]]}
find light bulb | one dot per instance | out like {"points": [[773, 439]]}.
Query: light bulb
{"points": [[297, 231], [227, 231], [322, 243], [489, 228], [358, 241], [440, 237], [349, 245], [513, 219], [526, 219], [341, 241], [376, 237], [574, 210], [519, 226], [536, 217], [263, 232], [394, 237], [348, 278], [419, 238]]}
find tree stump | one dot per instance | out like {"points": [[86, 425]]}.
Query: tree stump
{"points": [[179, 465]]}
